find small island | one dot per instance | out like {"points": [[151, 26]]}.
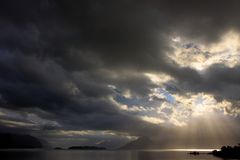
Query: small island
{"points": [[228, 152], [86, 148], [194, 153]]}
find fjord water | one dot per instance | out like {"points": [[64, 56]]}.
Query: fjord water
{"points": [[103, 155]]}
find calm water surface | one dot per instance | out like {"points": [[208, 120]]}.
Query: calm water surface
{"points": [[103, 155]]}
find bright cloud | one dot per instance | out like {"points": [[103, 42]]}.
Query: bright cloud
{"points": [[153, 120], [201, 56]]}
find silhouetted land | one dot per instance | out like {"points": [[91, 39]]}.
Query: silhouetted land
{"points": [[17, 141], [86, 148], [194, 153], [227, 152]]}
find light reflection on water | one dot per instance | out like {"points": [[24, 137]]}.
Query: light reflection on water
{"points": [[104, 155], [183, 150]]}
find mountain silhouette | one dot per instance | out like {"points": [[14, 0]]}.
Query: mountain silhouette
{"points": [[17, 141], [140, 143], [87, 148]]}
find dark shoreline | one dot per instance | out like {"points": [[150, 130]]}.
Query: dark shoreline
{"points": [[227, 152]]}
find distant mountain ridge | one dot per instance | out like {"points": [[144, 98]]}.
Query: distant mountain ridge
{"points": [[140, 143], [87, 148], [18, 141], [162, 143]]}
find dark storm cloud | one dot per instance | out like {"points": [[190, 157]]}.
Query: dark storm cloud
{"points": [[220, 80], [61, 56], [135, 34], [25, 82], [76, 101], [112, 33]]}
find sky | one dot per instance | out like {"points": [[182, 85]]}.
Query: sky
{"points": [[106, 72]]}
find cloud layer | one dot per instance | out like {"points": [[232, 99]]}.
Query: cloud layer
{"points": [[115, 70]]}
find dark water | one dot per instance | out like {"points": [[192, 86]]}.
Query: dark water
{"points": [[101, 155]]}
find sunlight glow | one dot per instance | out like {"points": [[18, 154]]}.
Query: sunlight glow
{"points": [[185, 107], [200, 56]]}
